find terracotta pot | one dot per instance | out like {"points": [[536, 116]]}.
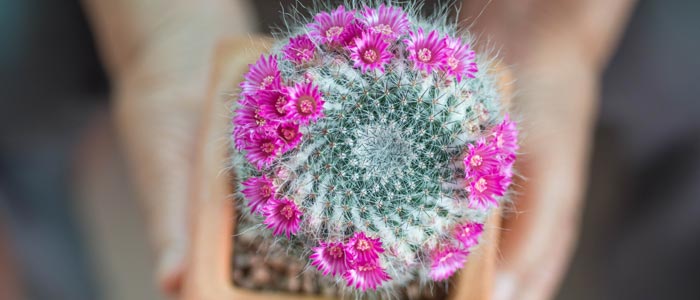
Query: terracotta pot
{"points": [[209, 274]]}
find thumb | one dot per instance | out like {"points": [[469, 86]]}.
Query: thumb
{"points": [[537, 242], [158, 133], [171, 266]]}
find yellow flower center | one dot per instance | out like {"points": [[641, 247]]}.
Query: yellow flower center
{"points": [[268, 147], [452, 62], [306, 105], [265, 191], [287, 212], [481, 185], [476, 160], [383, 29], [259, 120], [425, 55], [363, 245], [336, 252], [279, 105], [370, 56], [334, 31], [266, 81]]}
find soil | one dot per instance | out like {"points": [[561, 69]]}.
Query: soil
{"points": [[260, 265]]}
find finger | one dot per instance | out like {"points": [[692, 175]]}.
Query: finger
{"points": [[158, 135], [537, 243], [538, 239], [160, 89]]}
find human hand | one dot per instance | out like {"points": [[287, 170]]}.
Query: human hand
{"points": [[158, 57], [556, 50]]}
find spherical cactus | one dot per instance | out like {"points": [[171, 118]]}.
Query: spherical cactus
{"points": [[372, 143]]}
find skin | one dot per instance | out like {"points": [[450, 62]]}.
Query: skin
{"points": [[157, 56], [10, 287], [557, 50]]}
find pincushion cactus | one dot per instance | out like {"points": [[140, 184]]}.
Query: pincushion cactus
{"points": [[372, 142]]}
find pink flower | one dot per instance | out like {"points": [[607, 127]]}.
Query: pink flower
{"points": [[282, 216], [246, 122], [273, 105], [505, 137], [483, 189], [262, 76], [481, 159], [328, 28], [446, 261], [366, 275], [240, 138], [370, 52], [389, 21], [263, 148], [258, 191], [249, 117], [300, 49], [289, 133], [330, 258], [468, 234], [363, 249], [427, 53], [305, 103], [460, 59], [351, 33]]}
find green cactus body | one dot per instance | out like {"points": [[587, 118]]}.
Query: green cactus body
{"points": [[386, 158]]}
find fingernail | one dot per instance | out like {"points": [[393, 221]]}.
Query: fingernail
{"points": [[504, 286], [170, 269]]}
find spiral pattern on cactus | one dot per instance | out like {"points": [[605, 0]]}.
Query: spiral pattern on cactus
{"points": [[372, 141]]}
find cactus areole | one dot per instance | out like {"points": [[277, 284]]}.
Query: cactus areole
{"points": [[372, 142]]}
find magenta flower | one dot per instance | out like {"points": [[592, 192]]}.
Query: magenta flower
{"points": [[352, 33], [328, 28], [246, 122], [282, 216], [446, 261], [258, 191], [273, 105], [305, 103], [370, 52], [460, 59], [389, 21], [468, 234], [263, 148], [366, 275], [483, 190], [505, 140], [505, 137], [262, 76], [330, 258], [481, 159], [249, 117], [427, 53], [289, 133], [363, 248], [300, 49], [240, 138]]}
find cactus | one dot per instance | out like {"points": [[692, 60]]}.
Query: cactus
{"points": [[372, 142]]}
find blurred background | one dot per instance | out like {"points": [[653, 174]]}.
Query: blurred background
{"points": [[69, 229]]}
